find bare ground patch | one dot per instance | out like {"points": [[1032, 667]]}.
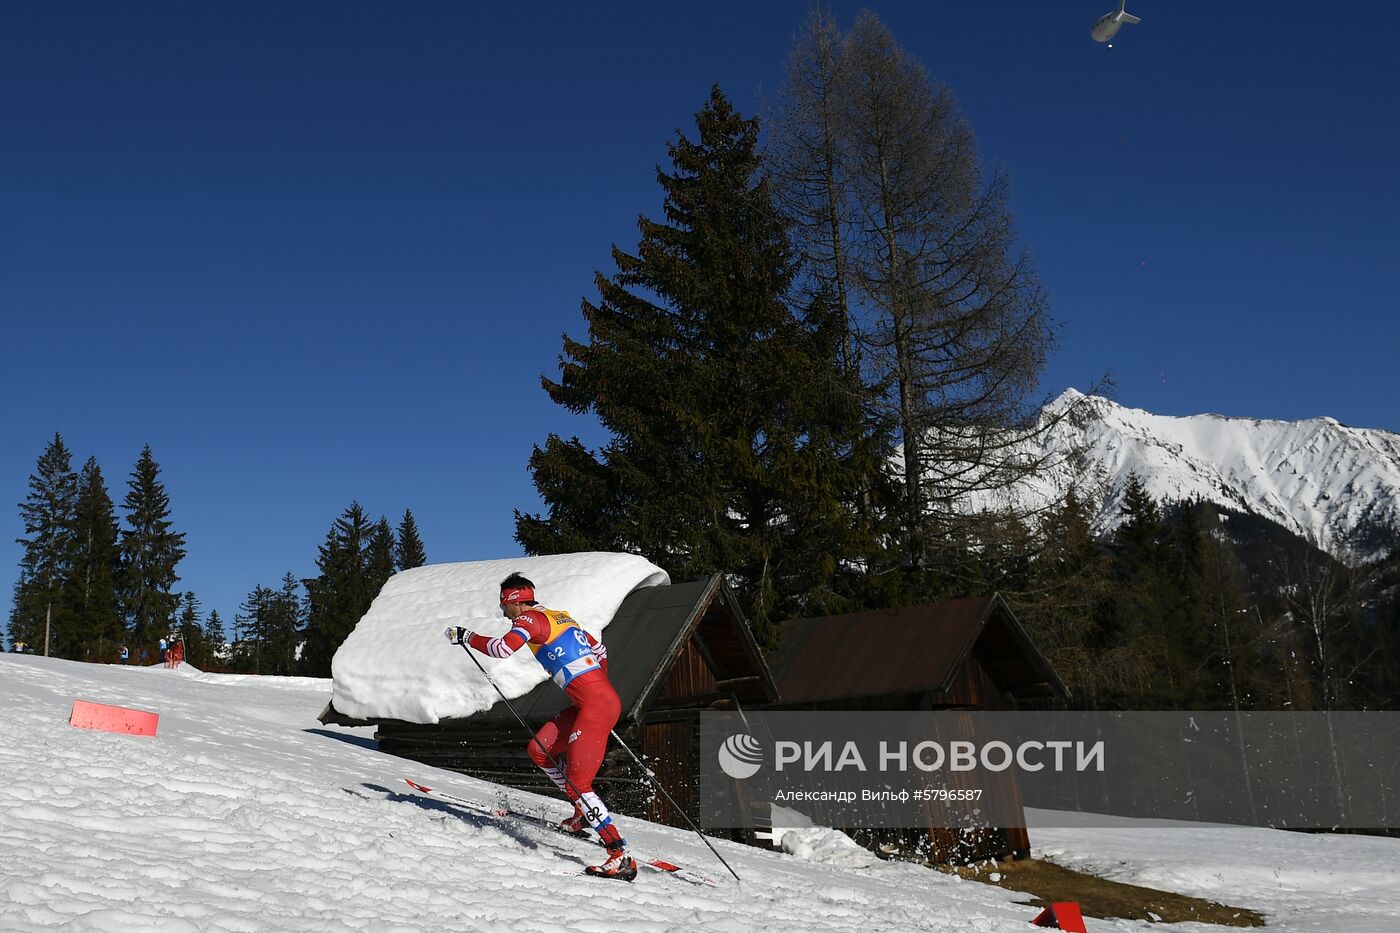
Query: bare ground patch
{"points": [[1047, 882]]}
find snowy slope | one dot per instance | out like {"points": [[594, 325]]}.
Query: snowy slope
{"points": [[1318, 478], [1331, 884], [244, 815]]}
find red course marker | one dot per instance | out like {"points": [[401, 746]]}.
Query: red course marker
{"points": [[87, 715], [1063, 915]]}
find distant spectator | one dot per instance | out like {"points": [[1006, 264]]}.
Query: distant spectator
{"points": [[164, 646], [124, 654]]}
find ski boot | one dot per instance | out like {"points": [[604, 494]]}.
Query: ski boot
{"points": [[619, 865]]}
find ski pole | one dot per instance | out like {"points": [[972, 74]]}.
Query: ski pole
{"points": [[675, 806]]}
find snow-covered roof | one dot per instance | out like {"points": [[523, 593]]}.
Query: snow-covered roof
{"points": [[396, 664]]}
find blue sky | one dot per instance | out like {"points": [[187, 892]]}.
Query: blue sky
{"points": [[319, 252]]}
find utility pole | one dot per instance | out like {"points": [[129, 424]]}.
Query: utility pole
{"points": [[48, 615]]}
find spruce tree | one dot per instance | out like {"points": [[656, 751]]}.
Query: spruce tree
{"points": [[215, 640], [1068, 599], [1148, 602], [379, 558], [40, 615], [268, 628], [189, 630], [1141, 532], [151, 552], [278, 627], [341, 593], [251, 626], [409, 552], [1192, 593], [291, 628], [90, 590], [738, 438], [1224, 643], [16, 639]]}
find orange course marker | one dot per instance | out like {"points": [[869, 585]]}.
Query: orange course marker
{"points": [[87, 715]]}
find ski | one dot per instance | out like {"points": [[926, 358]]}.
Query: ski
{"points": [[503, 810]]}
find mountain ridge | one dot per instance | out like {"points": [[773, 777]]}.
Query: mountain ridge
{"points": [[1336, 486]]}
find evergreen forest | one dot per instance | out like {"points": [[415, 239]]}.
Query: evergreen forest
{"points": [[91, 584]]}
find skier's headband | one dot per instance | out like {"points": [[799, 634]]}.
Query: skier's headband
{"points": [[518, 594]]}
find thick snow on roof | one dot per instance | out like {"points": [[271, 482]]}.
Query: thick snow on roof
{"points": [[396, 664]]}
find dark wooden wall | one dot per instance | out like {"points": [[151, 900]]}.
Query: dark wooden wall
{"points": [[690, 682], [972, 688]]}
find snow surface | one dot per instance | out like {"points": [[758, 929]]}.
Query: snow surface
{"points": [[1318, 478], [243, 815], [1300, 881], [396, 664]]}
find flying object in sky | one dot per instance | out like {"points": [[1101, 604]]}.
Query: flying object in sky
{"points": [[1108, 25]]}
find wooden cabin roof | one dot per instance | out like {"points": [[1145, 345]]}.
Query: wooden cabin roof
{"points": [[913, 649]]}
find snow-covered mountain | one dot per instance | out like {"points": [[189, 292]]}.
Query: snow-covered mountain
{"points": [[1326, 482]]}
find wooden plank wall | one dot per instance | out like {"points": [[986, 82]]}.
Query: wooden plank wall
{"points": [[973, 687], [671, 750], [690, 678], [999, 790]]}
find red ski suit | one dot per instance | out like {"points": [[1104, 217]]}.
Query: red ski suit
{"points": [[578, 662]]}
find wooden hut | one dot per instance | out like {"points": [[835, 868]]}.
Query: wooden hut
{"points": [[673, 652], [965, 654]]}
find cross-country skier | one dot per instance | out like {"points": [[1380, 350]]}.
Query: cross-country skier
{"points": [[569, 748]]}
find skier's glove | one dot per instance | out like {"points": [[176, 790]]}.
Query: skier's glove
{"points": [[457, 635]]}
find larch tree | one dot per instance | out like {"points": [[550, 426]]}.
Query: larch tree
{"points": [[806, 156], [881, 172]]}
